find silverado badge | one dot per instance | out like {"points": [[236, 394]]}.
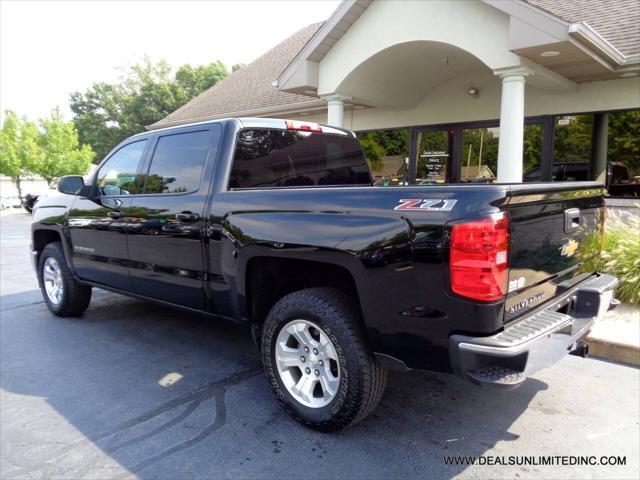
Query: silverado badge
{"points": [[569, 248]]}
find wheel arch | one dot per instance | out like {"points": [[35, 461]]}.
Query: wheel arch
{"points": [[269, 278], [43, 235]]}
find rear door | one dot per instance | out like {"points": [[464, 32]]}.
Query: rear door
{"points": [[554, 229], [165, 225]]}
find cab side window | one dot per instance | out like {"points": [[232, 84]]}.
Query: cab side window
{"points": [[177, 163], [118, 175]]}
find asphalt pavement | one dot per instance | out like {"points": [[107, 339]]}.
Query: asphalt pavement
{"points": [[134, 390]]}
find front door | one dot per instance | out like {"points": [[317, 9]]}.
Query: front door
{"points": [[433, 156], [97, 226], [165, 226]]}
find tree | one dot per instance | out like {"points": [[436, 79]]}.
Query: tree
{"points": [[106, 114], [19, 148], [372, 150], [237, 67], [624, 139], [572, 141], [62, 153], [195, 80], [377, 144]]}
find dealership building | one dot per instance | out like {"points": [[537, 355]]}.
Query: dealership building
{"points": [[455, 91]]}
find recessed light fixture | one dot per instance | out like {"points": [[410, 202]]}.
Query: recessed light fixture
{"points": [[473, 91], [550, 53], [629, 74], [359, 107]]}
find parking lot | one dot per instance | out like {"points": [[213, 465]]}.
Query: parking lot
{"points": [[137, 390]]}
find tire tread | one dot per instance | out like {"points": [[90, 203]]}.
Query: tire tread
{"points": [[77, 296], [330, 302]]}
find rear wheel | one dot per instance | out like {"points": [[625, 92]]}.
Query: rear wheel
{"points": [[317, 359], [63, 295]]}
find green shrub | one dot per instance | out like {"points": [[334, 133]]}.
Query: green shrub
{"points": [[620, 256]]}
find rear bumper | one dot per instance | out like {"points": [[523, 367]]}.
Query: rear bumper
{"points": [[537, 341]]}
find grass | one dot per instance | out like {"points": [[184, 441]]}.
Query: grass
{"points": [[619, 256]]}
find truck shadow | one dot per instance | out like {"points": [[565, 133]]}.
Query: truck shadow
{"points": [[151, 392]]}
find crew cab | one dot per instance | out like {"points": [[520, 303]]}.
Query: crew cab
{"points": [[276, 225]]}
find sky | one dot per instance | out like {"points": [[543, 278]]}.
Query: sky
{"points": [[49, 49]]}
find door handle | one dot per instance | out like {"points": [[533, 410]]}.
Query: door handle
{"points": [[115, 214], [571, 219], [187, 217]]}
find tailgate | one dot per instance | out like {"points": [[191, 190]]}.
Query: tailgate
{"points": [[550, 225]]}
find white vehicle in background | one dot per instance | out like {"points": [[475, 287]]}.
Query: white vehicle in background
{"points": [[12, 201]]}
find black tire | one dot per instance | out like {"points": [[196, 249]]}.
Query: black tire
{"points": [[362, 378], [75, 297]]}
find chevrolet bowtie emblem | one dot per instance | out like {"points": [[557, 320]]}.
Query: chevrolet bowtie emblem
{"points": [[569, 248]]}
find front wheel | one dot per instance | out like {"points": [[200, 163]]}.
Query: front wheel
{"points": [[318, 361], [63, 295]]}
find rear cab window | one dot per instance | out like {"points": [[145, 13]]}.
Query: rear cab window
{"points": [[177, 163], [267, 158]]}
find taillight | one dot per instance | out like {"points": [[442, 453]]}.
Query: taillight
{"points": [[479, 258], [303, 126]]}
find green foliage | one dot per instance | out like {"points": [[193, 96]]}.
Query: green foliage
{"points": [[532, 151], [619, 255], [373, 151], [572, 142], [624, 139], [19, 148], [106, 114], [237, 67], [192, 81], [50, 149], [471, 138], [62, 153], [380, 143]]}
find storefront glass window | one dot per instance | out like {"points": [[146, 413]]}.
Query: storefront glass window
{"points": [[479, 163], [532, 153], [387, 152], [572, 148], [433, 155], [623, 154]]}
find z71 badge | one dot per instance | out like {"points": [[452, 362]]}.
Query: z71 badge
{"points": [[425, 204]]}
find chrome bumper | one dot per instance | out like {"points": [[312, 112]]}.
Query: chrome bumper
{"points": [[535, 342]]}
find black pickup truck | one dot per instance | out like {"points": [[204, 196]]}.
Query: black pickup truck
{"points": [[275, 224]]}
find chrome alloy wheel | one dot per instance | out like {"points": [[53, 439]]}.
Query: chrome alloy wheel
{"points": [[52, 278], [307, 363]]}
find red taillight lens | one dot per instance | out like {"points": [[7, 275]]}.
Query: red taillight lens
{"points": [[479, 258]]}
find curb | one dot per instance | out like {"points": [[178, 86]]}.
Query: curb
{"points": [[616, 351]]}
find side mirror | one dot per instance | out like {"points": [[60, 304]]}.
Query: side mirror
{"points": [[70, 184]]}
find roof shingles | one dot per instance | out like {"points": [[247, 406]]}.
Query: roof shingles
{"points": [[617, 21], [247, 89]]}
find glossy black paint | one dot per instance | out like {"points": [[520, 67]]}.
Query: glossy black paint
{"points": [[165, 236], [540, 243], [397, 260]]}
